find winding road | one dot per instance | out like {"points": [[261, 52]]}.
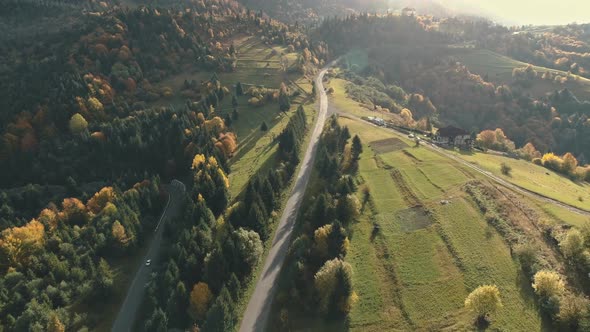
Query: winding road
{"points": [[257, 312], [133, 299]]}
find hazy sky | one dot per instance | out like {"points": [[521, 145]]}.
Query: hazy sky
{"points": [[528, 11]]}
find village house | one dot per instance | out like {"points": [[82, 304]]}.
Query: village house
{"points": [[454, 137]]}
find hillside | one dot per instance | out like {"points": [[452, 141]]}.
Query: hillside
{"points": [[499, 68], [433, 230], [443, 86]]}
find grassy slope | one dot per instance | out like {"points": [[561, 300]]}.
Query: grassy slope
{"points": [[419, 279], [499, 69], [339, 101], [535, 178]]}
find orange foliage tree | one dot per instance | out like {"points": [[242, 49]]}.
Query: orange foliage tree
{"points": [[570, 163], [200, 299], [119, 233], [74, 211], [100, 199], [227, 144]]}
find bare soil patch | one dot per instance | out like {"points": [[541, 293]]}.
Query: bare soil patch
{"points": [[388, 145], [413, 219]]}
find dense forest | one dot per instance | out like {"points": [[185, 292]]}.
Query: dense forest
{"points": [[84, 147], [215, 245]]}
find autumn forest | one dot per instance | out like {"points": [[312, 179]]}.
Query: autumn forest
{"points": [[104, 104]]}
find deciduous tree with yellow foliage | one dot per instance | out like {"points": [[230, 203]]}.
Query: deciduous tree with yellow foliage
{"points": [[483, 302], [19, 243], [100, 199]]}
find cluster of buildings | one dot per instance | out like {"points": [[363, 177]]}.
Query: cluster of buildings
{"points": [[448, 137], [454, 137]]}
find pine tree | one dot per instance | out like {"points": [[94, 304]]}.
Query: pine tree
{"points": [[357, 147], [284, 101], [239, 89], [158, 322], [221, 317], [234, 101]]}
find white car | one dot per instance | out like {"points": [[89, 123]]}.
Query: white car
{"points": [[148, 262], [411, 136]]}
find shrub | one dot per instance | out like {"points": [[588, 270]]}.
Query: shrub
{"points": [[572, 245], [548, 284], [527, 255], [552, 162], [538, 161], [505, 169], [572, 310]]}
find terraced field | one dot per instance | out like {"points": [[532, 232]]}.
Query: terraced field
{"points": [[427, 256]]}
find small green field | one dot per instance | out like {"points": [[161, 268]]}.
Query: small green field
{"points": [[499, 69], [535, 178], [340, 101], [426, 258]]}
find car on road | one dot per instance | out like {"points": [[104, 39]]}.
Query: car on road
{"points": [[148, 262], [411, 136]]}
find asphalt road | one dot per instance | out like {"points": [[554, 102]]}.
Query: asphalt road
{"points": [[486, 173], [134, 298], [258, 309]]}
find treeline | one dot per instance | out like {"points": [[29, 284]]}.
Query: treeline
{"points": [[316, 281], [215, 246], [262, 194], [59, 261], [365, 30]]}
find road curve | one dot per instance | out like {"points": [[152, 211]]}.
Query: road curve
{"points": [[133, 299], [258, 309], [488, 174]]}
